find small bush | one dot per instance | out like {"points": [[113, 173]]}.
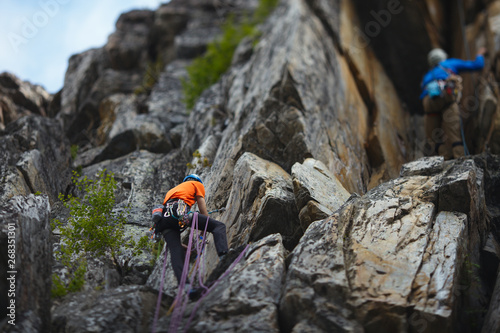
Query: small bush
{"points": [[59, 289], [200, 161], [207, 69], [75, 283], [94, 229], [93, 226]]}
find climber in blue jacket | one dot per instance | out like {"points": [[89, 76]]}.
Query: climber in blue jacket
{"points": [[441, 92]]}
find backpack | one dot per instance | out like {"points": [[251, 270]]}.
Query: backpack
{"points": [[435, 88], [451, 87]]}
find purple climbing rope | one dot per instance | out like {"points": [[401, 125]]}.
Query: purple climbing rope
{"points": [[158, 302], [181, 305], [182, 298], [213, 286]]}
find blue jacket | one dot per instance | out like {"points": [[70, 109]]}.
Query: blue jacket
{"points": [[454, 65]]}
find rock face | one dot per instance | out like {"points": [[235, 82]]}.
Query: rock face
{"points": [[18, 98], [312, 142], [251, 290], [35, 158], [124, 309], [392, 260], [318, 193], [25, 236], [261, 203]]}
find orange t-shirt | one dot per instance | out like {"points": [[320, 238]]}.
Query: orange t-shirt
{"points": [[186, 191]]}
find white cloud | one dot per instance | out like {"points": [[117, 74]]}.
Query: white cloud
{"points": [[50, 31]]}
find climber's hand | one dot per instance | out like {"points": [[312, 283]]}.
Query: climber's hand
{"points": [[482, 51]]}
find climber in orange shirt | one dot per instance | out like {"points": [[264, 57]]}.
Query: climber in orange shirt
{"points": [[177, 204]]}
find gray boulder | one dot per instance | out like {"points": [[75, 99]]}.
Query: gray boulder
{"points": [[245, 298], [127, 46]]}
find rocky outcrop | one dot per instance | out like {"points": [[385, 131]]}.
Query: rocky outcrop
{"points": [[19, 98], [317, 192], [123, 309], [133, 61], [26, 261], [304, 141], [280, 107], [261, 203], [125, 47], [395, 259], [251, 291], [35, 158]]}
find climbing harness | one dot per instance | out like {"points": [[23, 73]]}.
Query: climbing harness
{"points": [[181, 213]]}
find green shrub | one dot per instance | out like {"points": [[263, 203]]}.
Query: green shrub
{"points": [[93, 226], [207, 69], [200, 161], [94, 229], [74, 151], [75, 283], [151, 76], [263, 10], [144, 243], [59, 289]]}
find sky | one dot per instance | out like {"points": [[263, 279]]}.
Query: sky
{"points": [[37, 37]]}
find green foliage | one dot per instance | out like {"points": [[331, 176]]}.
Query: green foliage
{"points": [[197, 153], [78, 280], [74, 151], [58, 287], [200, 161], [93, 226], [151, 76], [75, 283], [263, 10], [157, 249], [207, 69], [144, 243], [94, 229]]}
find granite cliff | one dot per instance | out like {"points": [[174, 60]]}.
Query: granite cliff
{"points": [[314, 144]]}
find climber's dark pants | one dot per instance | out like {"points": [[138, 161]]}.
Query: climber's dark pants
{"points": [[169, 227]]}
